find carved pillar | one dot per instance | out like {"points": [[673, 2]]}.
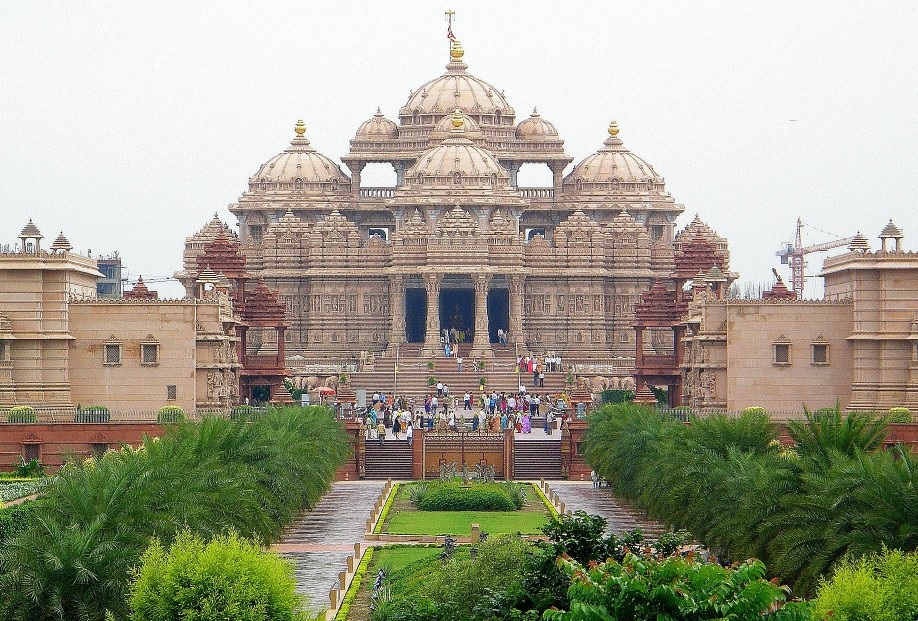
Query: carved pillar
{"points": [[557, 172], [513, 168], [280, 361], [515, 329], [356, 169], [432, 335], [399, 173], [397, 308], [481, 345]]}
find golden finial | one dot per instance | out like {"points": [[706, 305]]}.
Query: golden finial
{"points": [[457, 120], [300, 127], [613, 128], [455, 50]]}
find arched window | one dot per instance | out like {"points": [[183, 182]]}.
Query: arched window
{"points": [[497, 117], [457, 178], [579, 184], [334, 184], [417, 117], [493, 178], [298, 183]]}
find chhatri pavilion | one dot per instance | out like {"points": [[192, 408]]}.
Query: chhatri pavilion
{"points": [[456, 248]]}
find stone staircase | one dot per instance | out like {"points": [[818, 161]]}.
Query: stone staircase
{"points": [[391, 460], [536, 459], [413, 373]]}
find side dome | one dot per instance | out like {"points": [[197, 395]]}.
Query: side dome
{"points": [[457, 161], [535, 128], [614, 169], [457, 89], [377, 128], [299, 167]]}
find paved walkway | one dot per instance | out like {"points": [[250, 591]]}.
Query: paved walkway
{"points": [[620, 515], [320, 542]]}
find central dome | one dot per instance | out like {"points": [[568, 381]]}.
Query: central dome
{"points": [[457, 161], [457, 89]]}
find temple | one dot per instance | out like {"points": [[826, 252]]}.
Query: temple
{"points": [[457, 250]]}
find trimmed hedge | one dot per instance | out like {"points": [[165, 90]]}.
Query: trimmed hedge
{"points": [[93, 414], [22, 414], [170, 414], [478, 497], [899, 415]]}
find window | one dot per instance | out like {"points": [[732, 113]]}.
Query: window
{"points": [[30, 452], [782, 353], [2, 351], [171, 392], [99, 449], [380, 232], [112, 354], [255, 232], [149, 353], [820, 353]]}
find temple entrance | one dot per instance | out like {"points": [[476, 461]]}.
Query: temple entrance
{"points": [[415, 315], [457, 314], [498, 312], [260, 394]]}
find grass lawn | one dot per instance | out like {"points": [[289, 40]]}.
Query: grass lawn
{"points": [[397, 558], [404, 519]]}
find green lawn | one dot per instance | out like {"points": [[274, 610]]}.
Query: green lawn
{"points": [[397, 558], [459, 522], [405, 519]]}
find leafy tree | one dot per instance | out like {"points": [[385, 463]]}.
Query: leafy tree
{"points": [[227, 577]]}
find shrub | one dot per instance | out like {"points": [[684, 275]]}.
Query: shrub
{"points": [[880, 587], [482, 381], [14, 519], [170, 414], [615, 396], [28, 469], [478, 497], [225, 578], [22, 414], [430, 365], [92, 414], [431, 380], [755, 410], [899, 415]]}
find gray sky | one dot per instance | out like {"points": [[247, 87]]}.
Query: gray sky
{"points": [[127, 125]]}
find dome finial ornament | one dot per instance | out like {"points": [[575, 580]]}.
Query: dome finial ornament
{"points": [[457, 120], [613, 128], [300, 127]]}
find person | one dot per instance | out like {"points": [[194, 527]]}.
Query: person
{"points": [[541, 379], [595, 478], [409, 434], [381, 432], [396, 426], [549, 422], [504, 421], [467, 402], [434, 402], [439, 389], [459, 364], [474, 422], [526, 423]]}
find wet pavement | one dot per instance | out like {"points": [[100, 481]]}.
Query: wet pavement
{"points": [[321, 540], [620, 515]]}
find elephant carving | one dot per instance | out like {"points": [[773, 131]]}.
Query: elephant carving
{"points": [[599, 383], [331, 382], [628, 383], [311, 382]]}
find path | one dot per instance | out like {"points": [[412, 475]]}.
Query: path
{"points": [[620, 515], [321, 540]]}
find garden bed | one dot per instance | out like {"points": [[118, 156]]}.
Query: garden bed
{"points": [[11, 489], [405, 519]]}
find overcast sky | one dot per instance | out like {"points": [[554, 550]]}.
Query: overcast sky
{"points": [[126, 125]]}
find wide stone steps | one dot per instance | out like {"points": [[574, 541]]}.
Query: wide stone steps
{"points": [[537, 459], [391, 460]]}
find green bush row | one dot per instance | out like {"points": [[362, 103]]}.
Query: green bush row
{"points": [[75, 557], [739, 491]]}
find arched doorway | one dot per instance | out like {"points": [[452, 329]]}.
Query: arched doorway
{"points": [[498, 312]]}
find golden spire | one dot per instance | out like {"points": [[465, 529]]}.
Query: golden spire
{"points": [[457, 119], [613, 128], [300, 127], [455, 47]]}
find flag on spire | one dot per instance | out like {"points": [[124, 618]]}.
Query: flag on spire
{"points": [[449, 28], [449, 33]]}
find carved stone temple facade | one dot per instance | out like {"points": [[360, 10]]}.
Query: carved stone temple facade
{"points": [[456, 247]]}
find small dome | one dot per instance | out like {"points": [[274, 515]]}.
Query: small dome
{"points": [[535, 128], [377, 128], [890, 231], [614, 165], [448, 123], [61, 244], [457, 161], [859, 243], [301, 166]]}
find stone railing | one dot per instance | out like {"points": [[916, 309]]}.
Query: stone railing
{"points": [[377, 192], [308, 366], [53, 416], [537, 192]]}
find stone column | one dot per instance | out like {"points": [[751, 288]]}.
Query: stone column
{"points": [[557, 172], [397, 308], [515, 328], [432, 336], [356, 169], [481, 346], [513, 168], [399, 172]]}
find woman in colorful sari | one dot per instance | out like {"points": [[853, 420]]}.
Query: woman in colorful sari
{"points": [[527, 423]]}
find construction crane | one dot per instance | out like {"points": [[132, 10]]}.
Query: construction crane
{"points": [[793, 256]]}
